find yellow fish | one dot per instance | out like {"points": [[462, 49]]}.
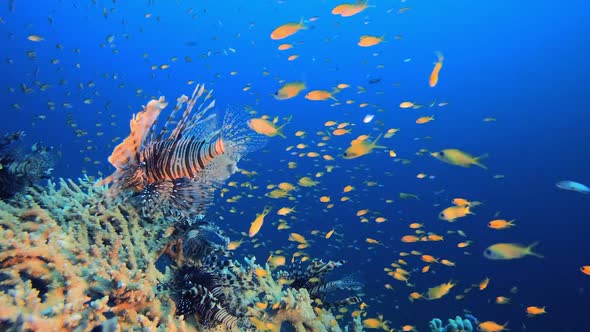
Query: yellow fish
{"points": [[317, 95], [368, 41], [458, 158], [504, 251], [491, 326], [439, 291], [289, 90], [452, 213], [267, 128], [286, 30], [360, 148], [257, 223], [433, 80], [350, 9]]}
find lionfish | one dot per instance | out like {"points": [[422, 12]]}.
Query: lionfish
{"points": [[177, 172]]}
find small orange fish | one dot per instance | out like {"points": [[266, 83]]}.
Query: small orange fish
{"points": [[286, 30], [368, 41], [265, 127], [425, 119], [350, 9], [361, 148], [501, 224], [257, 223], [410, 238], [289, 90], [435, 71], [406, 104], [585, 269], [317, 95], [340, 132], [484, 284], [453, 213], [439, 291], [535, 311], [284, 47], [491, 326], [502, 300]]}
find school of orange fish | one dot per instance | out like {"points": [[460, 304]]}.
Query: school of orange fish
{"points": [[326, 154]]}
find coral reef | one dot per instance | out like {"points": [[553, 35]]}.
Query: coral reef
{"points": [[454, 325], [19, 169], [66, 263]]}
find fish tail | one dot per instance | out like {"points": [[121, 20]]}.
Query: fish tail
{"points": [[301, 21], [529, 250], [477, 159], [280, 128], [374, 143], [440, 56]]}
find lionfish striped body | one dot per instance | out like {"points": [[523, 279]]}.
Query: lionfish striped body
{"points": [[178, 173]]}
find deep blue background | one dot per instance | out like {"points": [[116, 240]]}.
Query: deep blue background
{"points": [[524, 63]]}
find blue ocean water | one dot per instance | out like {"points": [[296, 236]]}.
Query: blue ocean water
{"points": [[522, 63]]}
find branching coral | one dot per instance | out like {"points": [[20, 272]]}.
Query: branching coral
{"points": [[454, 325], [68, 264], [65, 265]]}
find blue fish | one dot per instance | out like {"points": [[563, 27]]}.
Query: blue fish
{"points": [[573, 186]]}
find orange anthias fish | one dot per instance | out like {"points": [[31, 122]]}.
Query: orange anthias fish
{"points": [[505, 251], [360, 148], [490, 326], [501, 224], [257, 223], [453, 213], [425, 119], [267, 128], [289, 90], [435, 71], [439, 291], [286, 30], [368, 41], [178, 170], [317, 95], [350, 9], [459, 158], [585, 269], [535, 311]]}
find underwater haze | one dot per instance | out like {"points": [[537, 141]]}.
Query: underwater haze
{"points": [[418, 141]]}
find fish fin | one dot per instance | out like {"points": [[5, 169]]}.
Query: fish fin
{"points": [[374, 143], [238, 138], [180, 197], [529, 250], [280, 128], [301, 21], [477, 159], [440, 56]]}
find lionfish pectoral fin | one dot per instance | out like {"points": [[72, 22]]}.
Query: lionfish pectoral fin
{"points": [[184, 197]]}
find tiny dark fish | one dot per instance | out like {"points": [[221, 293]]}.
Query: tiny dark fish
{"points": [[374, 80]]}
